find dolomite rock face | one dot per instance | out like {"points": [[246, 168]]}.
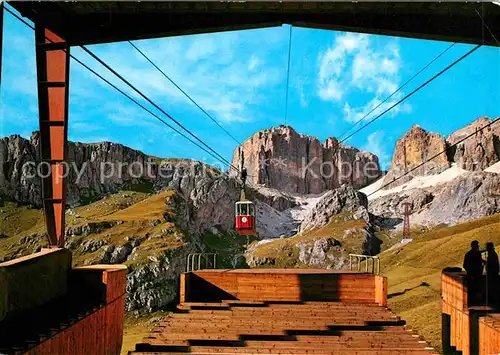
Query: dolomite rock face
{"points": [[413, 148], [480, 150], [284, 159], [90, 173]]}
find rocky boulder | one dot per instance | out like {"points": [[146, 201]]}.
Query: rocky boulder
{"points": [[345, 199], [153, 284], [391, 206], [317, 252], [468, 197]]}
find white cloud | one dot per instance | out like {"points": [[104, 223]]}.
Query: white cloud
{"points": [[130, 116], [89, 139], [375, 145], [83, 127], [228, 74], [355, 64], [202, 47], [332, 90], [254, 62], [223, 84], [300, 86]]}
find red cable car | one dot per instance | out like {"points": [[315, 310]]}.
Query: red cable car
{"points": [[245, 218], [244, 209]]}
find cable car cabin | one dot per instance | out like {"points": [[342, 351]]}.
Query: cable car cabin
{"points": [[245, 218]]}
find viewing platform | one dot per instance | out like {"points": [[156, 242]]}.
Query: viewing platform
{"points": [[468, 328], [47, 307], [282, 311]]}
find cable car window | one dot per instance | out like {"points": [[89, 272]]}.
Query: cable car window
{"points": [[244, 210], [237, 210], [252, 210]]}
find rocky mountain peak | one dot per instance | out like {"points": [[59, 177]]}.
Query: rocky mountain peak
{"points": [[415, 128], [332, 142], [476, 153], [292, 162], [414, 147], [468, 129], [480, 150]]}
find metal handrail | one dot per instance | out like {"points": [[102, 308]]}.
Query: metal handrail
{"points": [[191, 264], [375, 263]]}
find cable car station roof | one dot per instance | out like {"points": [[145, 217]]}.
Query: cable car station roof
{"points": [[87, 22]]}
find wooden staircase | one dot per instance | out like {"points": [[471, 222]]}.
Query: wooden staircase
{"points": [[246, 326]]}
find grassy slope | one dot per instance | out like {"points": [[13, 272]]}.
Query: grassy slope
{"points": [[284, 250], [18, 221], [135, 212], [414, 271], [137, 328]]}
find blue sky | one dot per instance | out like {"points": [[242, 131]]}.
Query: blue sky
{"points": [[240, 78]]}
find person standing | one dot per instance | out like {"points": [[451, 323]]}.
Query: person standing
{"points": [[492, 270], [473, 265]]}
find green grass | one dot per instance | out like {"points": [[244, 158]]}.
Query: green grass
{"points": [[229, 247], [131, 212], [414, 271], [137, 328], [143, 186], [17, 219], [284, 253]]}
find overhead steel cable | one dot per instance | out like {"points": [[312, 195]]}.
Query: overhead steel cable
{"points": [[119, 76], [485, 25], [398, 89], [288, 72], [184, 92], [414, 91], [123, 93], [436, 155]]}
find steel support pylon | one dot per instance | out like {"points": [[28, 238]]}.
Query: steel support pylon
{"points": [[406, 220], [52, 64]]}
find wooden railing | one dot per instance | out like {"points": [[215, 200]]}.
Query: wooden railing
{"points": [[33, 280], [82, 314], [372, 263]]}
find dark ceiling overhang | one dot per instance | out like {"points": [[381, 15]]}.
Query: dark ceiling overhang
{"points": [[87, 22]]}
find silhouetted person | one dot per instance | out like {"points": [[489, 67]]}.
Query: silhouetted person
{"points": [[492, 269], [473, 265]]}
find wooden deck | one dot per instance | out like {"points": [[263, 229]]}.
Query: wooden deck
{"points": [[282, 312]]}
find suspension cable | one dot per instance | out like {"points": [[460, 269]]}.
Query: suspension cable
{"points": [[414, 91], [125, 94], [114, 72], [181, 90], [398, 89], [485, 25], [435, 156], [288, 72]]}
